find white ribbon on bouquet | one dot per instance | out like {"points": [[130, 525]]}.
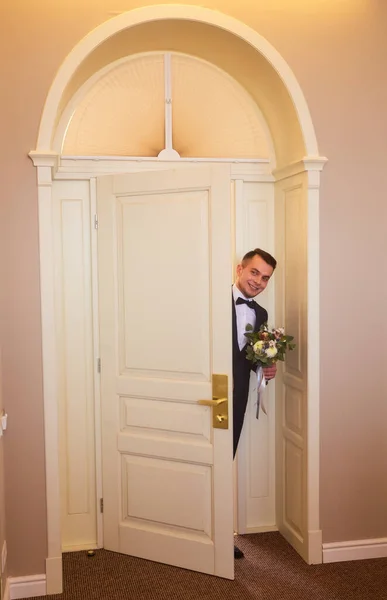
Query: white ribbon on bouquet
{"points": [[261, 385]]}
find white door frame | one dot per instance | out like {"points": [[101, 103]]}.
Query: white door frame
{"points": [[48, 162]]}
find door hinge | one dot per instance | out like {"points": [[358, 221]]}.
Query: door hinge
{"points": [[101, 505], [99, 365], [95, 221]]}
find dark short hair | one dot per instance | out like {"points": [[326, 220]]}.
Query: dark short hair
{"points": [[268, 258]]}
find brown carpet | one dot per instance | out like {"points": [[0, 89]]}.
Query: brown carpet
{"points": [[271, 570]]}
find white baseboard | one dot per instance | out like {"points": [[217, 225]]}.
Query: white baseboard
{"points": [[26, 587], [262, 529], [80, 548], [355, 550]]}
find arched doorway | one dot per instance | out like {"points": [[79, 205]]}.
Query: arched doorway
{"points": [[242, 53]]}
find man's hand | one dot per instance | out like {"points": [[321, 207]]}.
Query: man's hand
{"points": [[270, 372]]}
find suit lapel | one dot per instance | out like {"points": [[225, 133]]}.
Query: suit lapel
{"points": [[237, 351], [235, 344], [257, 323]]}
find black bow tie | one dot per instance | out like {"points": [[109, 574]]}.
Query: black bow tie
{"points": [[250, 303]]}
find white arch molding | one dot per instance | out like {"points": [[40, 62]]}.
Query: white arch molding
{"points": [[45, 159], [164, 12]]}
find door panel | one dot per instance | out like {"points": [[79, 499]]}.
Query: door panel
{"points": [[256, 452], [74, 328], [293, 481], [164, 246]]}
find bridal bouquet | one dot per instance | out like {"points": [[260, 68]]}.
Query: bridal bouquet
{"points": [[266, 346]]}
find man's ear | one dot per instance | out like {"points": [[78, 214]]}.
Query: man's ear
{"points": [[239, 269]]}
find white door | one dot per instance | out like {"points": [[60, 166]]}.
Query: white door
{"points": [[75, 364], [254, 225], [297, 478], [165, 271]]}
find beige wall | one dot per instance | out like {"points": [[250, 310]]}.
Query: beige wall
{"points": [[337, 50]]}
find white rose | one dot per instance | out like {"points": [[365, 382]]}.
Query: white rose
{"points": [[258, 347], [271, 351]]}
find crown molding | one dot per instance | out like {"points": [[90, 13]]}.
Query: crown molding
{"points": [[47, 165], [86, 167], [308, 164], [44, 159]]}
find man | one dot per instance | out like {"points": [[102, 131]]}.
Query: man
{"points": [[253, 275]]}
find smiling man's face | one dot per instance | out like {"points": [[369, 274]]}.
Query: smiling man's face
{"points": [[253, 276]]}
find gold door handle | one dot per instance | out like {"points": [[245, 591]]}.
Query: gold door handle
{"points": [[214, 402], [219, 402]]}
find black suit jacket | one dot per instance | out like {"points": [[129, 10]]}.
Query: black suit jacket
{"points": [[241, 371]]}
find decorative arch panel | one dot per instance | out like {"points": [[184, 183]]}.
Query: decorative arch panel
{"points": [[124, 111]]}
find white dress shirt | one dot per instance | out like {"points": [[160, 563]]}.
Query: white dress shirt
{"points": [[244, 315]]}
